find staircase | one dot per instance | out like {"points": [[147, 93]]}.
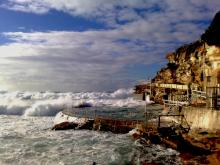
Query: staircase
{"points": [[174, 106]]}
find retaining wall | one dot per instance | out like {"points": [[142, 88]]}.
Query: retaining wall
{"points": [[201, 118]]}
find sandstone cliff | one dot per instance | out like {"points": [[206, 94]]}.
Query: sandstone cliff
{"points": [[196, 63], [185, 65]]}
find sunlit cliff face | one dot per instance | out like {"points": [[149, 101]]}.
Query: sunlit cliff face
{"points": [[213, 55], [212, 67]]}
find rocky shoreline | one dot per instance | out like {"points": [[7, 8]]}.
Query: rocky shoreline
{"points": [[195, 65], [186, 66], [197, 146]]}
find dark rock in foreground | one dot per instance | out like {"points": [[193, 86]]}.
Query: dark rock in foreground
{"points": [[65, 126]]}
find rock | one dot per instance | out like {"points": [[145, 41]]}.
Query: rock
{"points": [[186, 64], [137, 132], [171, 57], [62, 117], [65, 126], [139, 89], [83, 105], [185, 78], [63, 122], [88, 125], [204, 141], [214, 158]]}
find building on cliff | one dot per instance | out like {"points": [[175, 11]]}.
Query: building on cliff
{"points": [[195, 68]]}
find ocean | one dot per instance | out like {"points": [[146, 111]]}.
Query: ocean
{"points": [[26, 119]]}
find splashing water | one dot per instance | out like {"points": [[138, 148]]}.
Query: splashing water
{"points": [[27, 140], [26, 136], [50, 103]]}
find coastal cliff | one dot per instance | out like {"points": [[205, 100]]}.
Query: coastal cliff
{"points": [[185, 64], [196, 63]]}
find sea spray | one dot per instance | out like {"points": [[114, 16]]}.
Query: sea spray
{"points": [[50, 103], [28, 140]]}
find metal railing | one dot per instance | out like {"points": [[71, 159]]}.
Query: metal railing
{"points": [[198, 94], [175, 103], [180, 123]]}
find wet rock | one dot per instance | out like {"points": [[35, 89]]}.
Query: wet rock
{"points": [[204, 141], [65, 126], [88, 125], [214, 158], [137, 132], [83, 105]]}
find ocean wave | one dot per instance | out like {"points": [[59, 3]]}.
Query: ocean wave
{"points": [[27, 141], [50, 103]]}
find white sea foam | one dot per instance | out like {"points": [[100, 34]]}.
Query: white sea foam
{"points": [[61, 117], [50, 103], [27, 140]]}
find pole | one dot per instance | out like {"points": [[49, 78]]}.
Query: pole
{"points": [[203, 66], [145, 114]]}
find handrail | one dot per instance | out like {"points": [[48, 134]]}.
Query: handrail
{"points": [[173, 115], [201, 94], [176, 103]]}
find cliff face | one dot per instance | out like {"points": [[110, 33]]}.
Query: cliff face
{"points": [[196, 63], [188, 63], [184, 65]]}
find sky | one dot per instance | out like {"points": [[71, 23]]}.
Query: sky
{"points": [[93, 45]]}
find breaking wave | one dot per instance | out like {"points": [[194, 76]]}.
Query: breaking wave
{"points": [[50, 103]]}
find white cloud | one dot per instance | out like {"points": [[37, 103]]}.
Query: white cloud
{"points": [[140, 32], [69, 58], [109, 10]]}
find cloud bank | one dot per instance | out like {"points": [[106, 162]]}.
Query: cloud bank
{"points": [[138, 32]]}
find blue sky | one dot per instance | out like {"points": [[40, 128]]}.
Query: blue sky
{"points": [[93, 45]]}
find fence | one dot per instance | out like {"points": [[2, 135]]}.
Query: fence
{"points": [[199, 94], [177, 121], [210, 98], [172, 86], [213, 97]]}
